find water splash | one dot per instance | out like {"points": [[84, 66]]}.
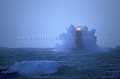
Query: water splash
{"points": [[34, 67], [79, 39]]}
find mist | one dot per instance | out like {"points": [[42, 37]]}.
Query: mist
{"points": [[50, 18]]}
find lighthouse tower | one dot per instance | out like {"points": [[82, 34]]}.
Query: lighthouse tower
{"points": [[78, 40]]}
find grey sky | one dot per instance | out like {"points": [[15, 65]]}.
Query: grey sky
{"points": [[36, 18]]}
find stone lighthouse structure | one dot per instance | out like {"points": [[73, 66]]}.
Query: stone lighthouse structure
{"points": [[78, 40]]}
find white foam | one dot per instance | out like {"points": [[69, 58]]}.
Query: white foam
{"points": [[34, 67], [88, 40]]}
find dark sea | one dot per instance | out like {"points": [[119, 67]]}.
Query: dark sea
{"points": [[75, 64]]}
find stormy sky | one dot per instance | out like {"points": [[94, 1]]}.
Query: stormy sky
{"points": [[33, 19]]}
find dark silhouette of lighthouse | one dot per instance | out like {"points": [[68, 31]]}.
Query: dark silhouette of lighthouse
{"points": [[78, 40]]}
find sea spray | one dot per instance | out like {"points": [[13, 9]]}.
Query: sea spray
{"points": [[78, 38], [34, 67]]}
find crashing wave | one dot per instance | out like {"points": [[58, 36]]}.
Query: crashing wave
{"points": [[34, 67], [78, 38]]}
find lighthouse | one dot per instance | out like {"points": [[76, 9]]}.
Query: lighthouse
{"points": [[78, 40]]}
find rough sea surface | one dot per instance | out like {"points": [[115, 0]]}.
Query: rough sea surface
{"points": [[74, 64]]}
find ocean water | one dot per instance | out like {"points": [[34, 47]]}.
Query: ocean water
{"points": [[73, 64]]}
